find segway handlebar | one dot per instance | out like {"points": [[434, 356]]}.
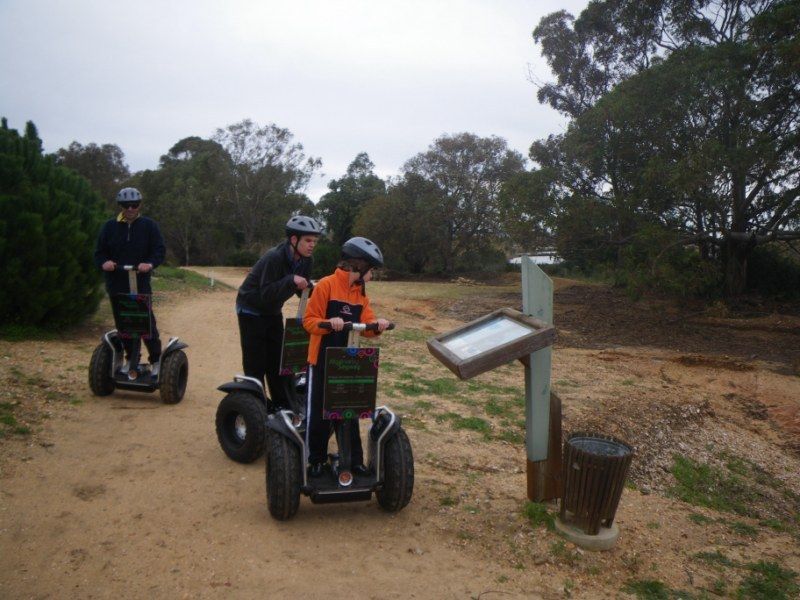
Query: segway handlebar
{"points": [[356, 326]]}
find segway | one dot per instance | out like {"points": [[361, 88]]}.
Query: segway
{"points": [[108, 369], [242, 414], [350, 387]]}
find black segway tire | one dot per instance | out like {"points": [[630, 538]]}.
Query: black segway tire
{"points": [[241, 426], [283, 476], [100, 380], [173, 377], [398, 469]]}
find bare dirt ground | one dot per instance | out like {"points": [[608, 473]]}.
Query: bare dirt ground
{"points": [[124, 497]]}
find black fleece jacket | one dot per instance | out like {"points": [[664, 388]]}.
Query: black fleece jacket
{"points": [[270, 283], [129, 244]]}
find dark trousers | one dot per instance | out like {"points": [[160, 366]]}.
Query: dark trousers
{"points": [[152, 342], [318, 430], [262, 341]]}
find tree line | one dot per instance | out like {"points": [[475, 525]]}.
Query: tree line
{"points": [[679, 169]]}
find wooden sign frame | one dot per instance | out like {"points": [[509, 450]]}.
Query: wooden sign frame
{"points": [[491, 341]]}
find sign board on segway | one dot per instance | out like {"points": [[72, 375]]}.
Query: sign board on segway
{"points": [[294, 353], [132, 315], [351, 383]]}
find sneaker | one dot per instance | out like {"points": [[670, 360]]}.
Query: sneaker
{"points": [[124, 368], [154, 369]]}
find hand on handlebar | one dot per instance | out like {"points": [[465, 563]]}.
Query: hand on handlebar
{"points": [[300, 283], [337, 324], [109, 265], [144, 267], [383, 324]]}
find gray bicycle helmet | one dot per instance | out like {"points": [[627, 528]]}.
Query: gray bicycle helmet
{"points": [[302, 225], [126, 195], [359, 247]]}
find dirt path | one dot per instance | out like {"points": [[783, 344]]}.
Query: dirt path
{"points": [[124, 497], [134, 499]]}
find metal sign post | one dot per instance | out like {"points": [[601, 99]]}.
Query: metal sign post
{"points": [[542, 409]]}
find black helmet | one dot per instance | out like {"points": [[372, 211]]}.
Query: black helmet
{"points": [[126, 195], [359, 247], [302, 225]]}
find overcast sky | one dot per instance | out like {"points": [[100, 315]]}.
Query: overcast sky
{"points": [[382, 77]]}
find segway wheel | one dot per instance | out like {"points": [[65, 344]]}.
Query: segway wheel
{"points": [[283, 476], [174, 375], [100, 380], [398, 469], [241, 426]]}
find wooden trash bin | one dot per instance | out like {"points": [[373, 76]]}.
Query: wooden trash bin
{"points": [[594, 470]]}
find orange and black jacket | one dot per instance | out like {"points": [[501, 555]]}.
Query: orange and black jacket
{"points": [[334, 297]]}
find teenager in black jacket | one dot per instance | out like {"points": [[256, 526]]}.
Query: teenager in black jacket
{"points": [[131, 239], [284, 270]]}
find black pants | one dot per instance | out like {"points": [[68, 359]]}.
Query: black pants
{"points": [[262, 341], [318, 430], [153, 342]]}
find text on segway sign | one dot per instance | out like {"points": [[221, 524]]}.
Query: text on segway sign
{"points": [[132, 315], [294, 353], [351, 383]]}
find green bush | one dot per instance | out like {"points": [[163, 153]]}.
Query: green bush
{"points": [[772, 272], [242, 258], [654, 260], [49, 220], [326, 255]]}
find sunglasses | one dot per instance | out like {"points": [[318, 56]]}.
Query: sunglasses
{"points": [[125, 205]]}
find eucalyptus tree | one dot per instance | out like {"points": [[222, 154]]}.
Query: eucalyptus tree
{"points": [[685, 113], [348, 194], [104, 166], [407, 224], [269, 172], [468, 173]]}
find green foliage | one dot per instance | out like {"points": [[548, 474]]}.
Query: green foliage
{"points": [[773, 271], [103, 166], [168, 278], [682, 118], [406, 224], [326, 256], [242, 258], [649, 589], [538, 515], [340, 207], [655, 259], [49, 220], [768, 581], [466, 173], [703, 485]]}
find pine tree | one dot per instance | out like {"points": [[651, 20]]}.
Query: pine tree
{"points": [[49, 217]]}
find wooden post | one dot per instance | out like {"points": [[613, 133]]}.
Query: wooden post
{"points": [[542, 409]]}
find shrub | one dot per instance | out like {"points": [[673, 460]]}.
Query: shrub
{"points": [[49, 220], [773, 272], [242, 258]]}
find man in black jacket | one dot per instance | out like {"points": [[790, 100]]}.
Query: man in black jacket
{"points": [[284, 270], [131, 239]]}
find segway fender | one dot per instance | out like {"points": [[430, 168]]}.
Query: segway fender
{"points": [[173, 345], [245, 384], [385, 425], [281, 423]]}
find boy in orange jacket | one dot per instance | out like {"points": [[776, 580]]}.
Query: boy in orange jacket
{"points": [[337, 299]]}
